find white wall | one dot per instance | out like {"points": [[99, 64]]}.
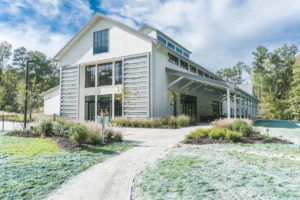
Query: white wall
{"points": [[121, 43], [52, 102]]}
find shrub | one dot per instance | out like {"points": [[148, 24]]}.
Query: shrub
{"points": [[233, 136], [79, 133], [155, 124], [182, 120], [61, 127], [216, 133], [223, 123], [164, 120], [135, 123], [242, 127], [109, 133], [118, 136], [94, 138], [46, 127], [172, 122]]}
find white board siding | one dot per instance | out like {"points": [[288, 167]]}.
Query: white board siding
{"points": [[136, 79], [69, 92]]}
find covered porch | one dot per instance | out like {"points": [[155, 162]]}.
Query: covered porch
{"points": [[207, 99]]}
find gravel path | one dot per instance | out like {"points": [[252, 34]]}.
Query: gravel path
{"points": [[113, 178]]}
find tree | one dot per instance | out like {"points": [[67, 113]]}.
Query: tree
{"points": [[173, 96], [234, 74], [5, 53], [20, 57], [294, 99]]}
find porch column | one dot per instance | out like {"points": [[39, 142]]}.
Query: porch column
{"points": [[244, 101], [240, 106], [234, 99], [228, 103]]}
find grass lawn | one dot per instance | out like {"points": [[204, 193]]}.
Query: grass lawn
{"points": [[187, 173], [289, 130], [30, 168]]}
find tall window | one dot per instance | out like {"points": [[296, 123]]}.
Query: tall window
{"points": [[172, 59], [184, 64], [118, 105], [89, 108], [118, 72], [90, 76], [104, 104], [105, 74], [101, 41]]}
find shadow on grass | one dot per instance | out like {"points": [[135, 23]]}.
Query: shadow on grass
{"points": [[272, 123], [111, 148]]}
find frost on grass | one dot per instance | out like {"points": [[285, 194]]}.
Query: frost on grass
{"points": [[206, 174], [32, 173]]}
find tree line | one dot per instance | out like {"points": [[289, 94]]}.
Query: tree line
{"points": [[275, 77], [43, 75]]}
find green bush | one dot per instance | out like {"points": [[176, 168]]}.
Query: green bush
{"points": [[61, 127], [217, 133], [94, 138], [118, 136], [164, 120], [79, 133], [182, 120], [155, 124], [46, 127], [108, 133], [128, 123], [135, 124], [172, 122], [242, 127], [233, 136]]}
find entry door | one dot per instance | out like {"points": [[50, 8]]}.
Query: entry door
{"points": [[189, 105], [215, 109]]}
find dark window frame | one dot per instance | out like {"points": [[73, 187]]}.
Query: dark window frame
{"points": [[88, 103], [104, 81], [171, 46], [161, 40], [172, 59], [91, 82], [200, 73], [184, 64], [193, 69], [118, 76], [97, 45], [178, 50]]}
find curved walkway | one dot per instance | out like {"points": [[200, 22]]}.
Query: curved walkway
{"points": [[113, 178]]}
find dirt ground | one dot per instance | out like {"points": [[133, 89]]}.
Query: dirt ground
{"points": [[113, 179]]}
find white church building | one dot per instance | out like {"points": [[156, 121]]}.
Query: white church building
{"points": [[108, 65]]}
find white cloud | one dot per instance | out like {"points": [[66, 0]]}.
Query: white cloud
{"points": [[220, 33]]}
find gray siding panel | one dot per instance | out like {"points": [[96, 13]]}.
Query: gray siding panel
{"points": [[69, 92], [136, 79]]}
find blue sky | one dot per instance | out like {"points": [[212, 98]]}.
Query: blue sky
{"points": [[218, 32]]}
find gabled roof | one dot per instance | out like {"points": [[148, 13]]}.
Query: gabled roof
{"points": [[89, 24], [165, 36]]}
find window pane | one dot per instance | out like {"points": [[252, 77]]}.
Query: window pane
{"points": [[206, 75], [186, 55], [118, 105], [172, 59], [200, 73], [118, 72], [104, 104], [105, 74], [161, 40], [193, 69], [178, 50], [184, 64], [101, 41], [90, 76], [171, 46], [90, 108]]}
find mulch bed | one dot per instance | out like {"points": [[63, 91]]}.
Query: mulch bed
{"points": [[63, 142], [251, 140]]}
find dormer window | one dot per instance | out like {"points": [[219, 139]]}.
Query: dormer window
{"points": [[186, 55], [179, 51], [101, 41], [161, 40], [171, 46]]}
